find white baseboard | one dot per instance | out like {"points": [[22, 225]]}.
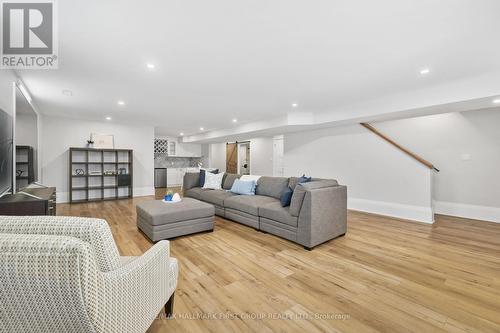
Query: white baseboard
{"points": [[407, 212], [485, 213], [63, 197]]}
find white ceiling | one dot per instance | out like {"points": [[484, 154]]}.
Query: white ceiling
{"points": [[223, 59]]}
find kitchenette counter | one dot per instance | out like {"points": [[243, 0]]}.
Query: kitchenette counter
{"points": [[166, 177]]}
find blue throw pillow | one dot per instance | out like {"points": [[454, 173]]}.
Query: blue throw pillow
{"points": [[304, 179], [286, 197], [243, 187], [202, 175]]}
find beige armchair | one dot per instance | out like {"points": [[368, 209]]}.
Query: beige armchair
{"points": [[64, 274]]}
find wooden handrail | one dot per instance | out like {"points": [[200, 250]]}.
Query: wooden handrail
{"points": [[403, 149]]}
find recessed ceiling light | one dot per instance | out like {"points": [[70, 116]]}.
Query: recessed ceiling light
{"points": [[425, 71], [108, 118], [67, 92], [496, 101], [202, 129], [235, 120], [181, 134], [294, 105], [150, 66], [121, 103]]}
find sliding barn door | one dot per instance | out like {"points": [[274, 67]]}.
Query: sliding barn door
{"points": [[232, 158]]}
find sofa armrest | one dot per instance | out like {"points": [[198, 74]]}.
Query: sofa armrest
{"points": [[323, 215], [134, 294]]}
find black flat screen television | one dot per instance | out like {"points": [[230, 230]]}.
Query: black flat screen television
{"points": [[6, 152]]}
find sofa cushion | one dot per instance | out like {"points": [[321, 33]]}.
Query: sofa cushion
{"points": [[191, 180], [274, 211], [271, 186], [248, 203], [229, 179], [194, 193], [215, 197], [300, 192]]}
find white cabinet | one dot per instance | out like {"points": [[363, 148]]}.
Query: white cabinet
{"points": [[172, 147], [189, 149], [173, 177]]}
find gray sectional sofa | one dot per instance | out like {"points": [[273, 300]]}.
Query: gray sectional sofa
{"points": [[317, 213]]}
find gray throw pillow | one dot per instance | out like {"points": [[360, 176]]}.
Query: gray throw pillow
{"points": [[297, 198], [191, 180]]}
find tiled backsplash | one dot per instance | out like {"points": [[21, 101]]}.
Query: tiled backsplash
{"points": [[164, 161]]}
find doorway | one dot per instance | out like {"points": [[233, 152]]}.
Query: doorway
{"points": [[238, 157], [244, 158]]}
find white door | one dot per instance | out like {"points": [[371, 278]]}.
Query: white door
{"points": [[278, 152]]}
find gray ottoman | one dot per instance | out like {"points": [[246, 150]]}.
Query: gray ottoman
{"points": [[160, 220]]}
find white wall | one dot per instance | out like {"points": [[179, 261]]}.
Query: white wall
{"points": [[59, 134], [217, 156], [261, 156], [7, 79], [26, 129], [466, 148], [380, 179]]}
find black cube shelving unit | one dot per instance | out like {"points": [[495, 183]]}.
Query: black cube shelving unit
{"points": [[96, 183]]}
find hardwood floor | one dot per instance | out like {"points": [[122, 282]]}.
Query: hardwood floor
{"points": [[385, 275]]}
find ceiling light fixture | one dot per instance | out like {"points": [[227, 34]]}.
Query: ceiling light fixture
{"points": [[294, 105], [202, 129], [425, 71], [150, 66], [181, 134], [108, 118], [121, 103], [496, 101], [235, 120]]}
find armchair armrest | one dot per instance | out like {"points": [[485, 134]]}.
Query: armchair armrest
{"points": [[323, 215], [96, 232], [135, 293]]}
